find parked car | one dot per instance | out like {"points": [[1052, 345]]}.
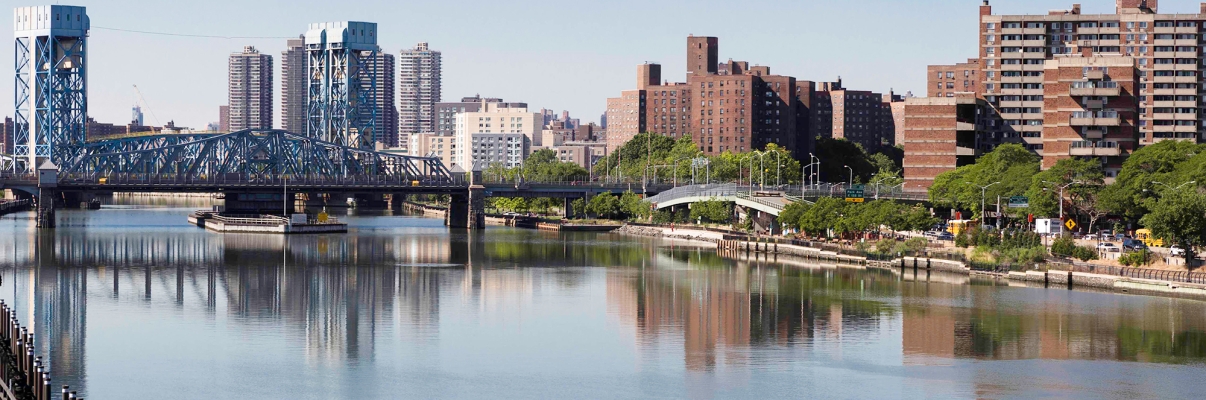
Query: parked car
{"points": [[946, 236], [1091, 236], [1133, 245], [1121, 236], [1176, 251], [1108, 247]]}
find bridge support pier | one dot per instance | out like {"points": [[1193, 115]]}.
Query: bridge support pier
{"points": [[370, 201], [260, 203], [396, 200], [45, 211], [467, 210], [569, 208]]}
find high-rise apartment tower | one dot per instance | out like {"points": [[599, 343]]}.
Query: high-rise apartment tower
{"points": [[250, 94], [418, 90]]}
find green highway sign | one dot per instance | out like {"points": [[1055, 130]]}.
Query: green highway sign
{"points": [[1019, 202], [855, 195]]}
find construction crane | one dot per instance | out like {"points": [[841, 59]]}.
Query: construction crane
{"points": [[148, 106]]}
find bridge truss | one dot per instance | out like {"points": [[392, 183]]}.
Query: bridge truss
{"points": [[245, 156]]}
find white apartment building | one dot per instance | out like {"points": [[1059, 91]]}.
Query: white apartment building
{"points": [[487, 131], [431, 144]]}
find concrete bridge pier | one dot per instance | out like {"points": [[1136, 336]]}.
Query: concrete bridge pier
{"points": [[45, 211], [763, 221], [246, 203], [396, 200], [370, 201], [569, 208], [467, 210]]}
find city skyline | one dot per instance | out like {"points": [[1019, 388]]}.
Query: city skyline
{"points": [[597, 65]]}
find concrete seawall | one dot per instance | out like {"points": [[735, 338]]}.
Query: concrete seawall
{"points": [[1048, 279]]}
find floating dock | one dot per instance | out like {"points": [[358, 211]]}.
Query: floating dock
{"points": [[298, 224]]}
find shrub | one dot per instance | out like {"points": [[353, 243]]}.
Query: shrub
{"points": [[1063, 247], [961, 240], [1136, 258], [863, 247], [1083, 253], [916, 245], [885, 246]]}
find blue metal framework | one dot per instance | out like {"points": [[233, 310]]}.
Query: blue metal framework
{"points": [[341, 83], [250, 155], [51, 94]]}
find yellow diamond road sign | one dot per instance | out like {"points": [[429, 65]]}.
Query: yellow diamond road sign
{"points": [[1070, 224]]}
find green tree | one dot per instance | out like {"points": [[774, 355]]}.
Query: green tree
{"points": [[1180, 217], [543, 165], [1172, 162], [579, 206], [712, 211], [633, 207], [836, 154], [1010, 163], [790, 216], [604, 206], [822, 216], [1082, 197]]}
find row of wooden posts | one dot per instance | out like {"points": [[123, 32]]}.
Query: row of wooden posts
{"points": [[23, 376]]}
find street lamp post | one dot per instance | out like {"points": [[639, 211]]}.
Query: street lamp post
{"points": [[983, 189], [1061, 202], [851, 183], [1175, 188]]}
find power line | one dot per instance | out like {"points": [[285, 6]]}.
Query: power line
{"points": [[191, 35]]}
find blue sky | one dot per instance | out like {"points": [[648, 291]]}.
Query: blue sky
{"points": [[563, 55]]}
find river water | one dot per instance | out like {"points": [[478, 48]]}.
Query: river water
{"points": [[131, 302]]}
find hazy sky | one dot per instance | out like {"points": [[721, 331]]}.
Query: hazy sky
{"points": [[563, 55]]}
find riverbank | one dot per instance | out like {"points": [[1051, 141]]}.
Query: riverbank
{"points": [[1072, 280]]}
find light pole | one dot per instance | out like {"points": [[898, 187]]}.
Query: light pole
{"points": [[761, 170], [983, 189], [851, 183], [1061, 202], [778, 168], [877, 181], [1175, 188], [813, 162]]}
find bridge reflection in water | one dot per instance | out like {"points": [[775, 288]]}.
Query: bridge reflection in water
{"points": [[376, 298]]}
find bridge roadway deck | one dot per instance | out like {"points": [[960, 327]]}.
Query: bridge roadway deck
{"points": [[366, 185]]}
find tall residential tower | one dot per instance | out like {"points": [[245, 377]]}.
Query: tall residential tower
{"points": [[250, 94], [418, 90], [384, 99], [293, 86]]}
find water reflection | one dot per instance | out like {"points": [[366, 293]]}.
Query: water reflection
{"points": [[403, 293]]}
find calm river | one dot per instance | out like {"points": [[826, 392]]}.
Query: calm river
{"points": [[131, 302]]}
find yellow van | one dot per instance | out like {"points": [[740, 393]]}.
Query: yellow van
{"points": [[1145, 236]]}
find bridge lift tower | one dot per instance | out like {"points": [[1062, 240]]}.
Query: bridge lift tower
{"points": [[51, 84], [340, 83]]}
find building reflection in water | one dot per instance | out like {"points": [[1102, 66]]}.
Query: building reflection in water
{"points": [[721, 312], [343, 294], [339, 293], [946, 321]]}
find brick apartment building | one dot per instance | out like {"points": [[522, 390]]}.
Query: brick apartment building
{"points": [[1068, 84], [735, 107], [946, 80]]}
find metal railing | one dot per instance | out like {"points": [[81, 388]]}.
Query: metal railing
{"points": [[792, 193], [11, 205]]}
